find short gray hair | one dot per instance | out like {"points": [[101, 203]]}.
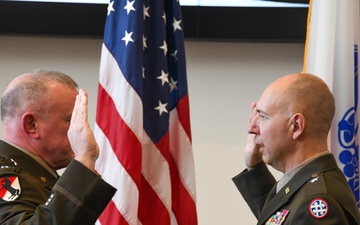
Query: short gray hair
{"points": [[32, 91]]}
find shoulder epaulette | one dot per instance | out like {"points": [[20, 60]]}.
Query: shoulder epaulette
{"points": [[315, 185]]}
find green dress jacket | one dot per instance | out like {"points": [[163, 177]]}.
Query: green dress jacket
{"points": [[30, 194], [317, 194]]}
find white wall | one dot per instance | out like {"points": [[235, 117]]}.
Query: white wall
{"points": [[223, 79]]}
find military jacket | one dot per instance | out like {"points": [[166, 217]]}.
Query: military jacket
{"points": [[30, 194], [317, 194]]}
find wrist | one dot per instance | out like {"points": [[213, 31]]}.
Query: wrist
{"points": [[250, 167], [87, 162]]}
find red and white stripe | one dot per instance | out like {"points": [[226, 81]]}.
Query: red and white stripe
{"points": [[155, 186]]}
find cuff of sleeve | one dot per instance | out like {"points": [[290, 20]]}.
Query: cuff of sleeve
{"points": [[86, 187], [253, 182]]}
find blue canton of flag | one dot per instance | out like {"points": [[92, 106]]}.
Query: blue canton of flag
{"points": [[155, 57]]}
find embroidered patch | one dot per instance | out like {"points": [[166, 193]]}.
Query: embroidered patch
{"points": [[277, 218], [9, 188], [318, 208]]}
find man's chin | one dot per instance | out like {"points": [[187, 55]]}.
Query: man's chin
{"points": [[266, 160]]}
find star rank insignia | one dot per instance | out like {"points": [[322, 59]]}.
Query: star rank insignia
{"points": [[9, 188], [318, 208], [278, 218]]}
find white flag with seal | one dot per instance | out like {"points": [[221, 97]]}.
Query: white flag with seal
{"points": [[331, 52]]}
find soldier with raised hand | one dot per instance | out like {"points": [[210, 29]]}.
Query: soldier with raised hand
{"points": [[46, 129], [288, 131]]}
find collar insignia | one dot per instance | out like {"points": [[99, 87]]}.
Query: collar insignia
{"points": [[318, 208], [287, 190], [314, 179], [277, 218], [9, 188]]}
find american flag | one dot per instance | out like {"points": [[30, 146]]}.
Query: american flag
{"points": [[142, 119], [332, 53]]}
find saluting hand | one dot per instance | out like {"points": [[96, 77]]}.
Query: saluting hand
{"points": [[253, 155]]}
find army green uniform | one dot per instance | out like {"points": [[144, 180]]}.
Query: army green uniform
{"points": [[30, 194], [317, 194]]}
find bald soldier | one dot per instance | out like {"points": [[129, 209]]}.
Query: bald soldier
{"points": [[288, 130], [46, 129]]}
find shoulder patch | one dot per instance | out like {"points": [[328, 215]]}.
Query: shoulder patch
{"points": [[318, 208], [9, 188]]}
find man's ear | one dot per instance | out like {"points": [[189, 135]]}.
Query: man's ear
{"points": [[297, 125], [29, 126]]}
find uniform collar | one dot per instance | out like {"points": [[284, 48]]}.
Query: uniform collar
{"points": [[290, 174], [35, 157]]}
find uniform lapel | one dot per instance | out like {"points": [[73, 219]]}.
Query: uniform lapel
{"points": [[272, 206], [270, 196]]}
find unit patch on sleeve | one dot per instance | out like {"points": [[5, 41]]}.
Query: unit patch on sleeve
{"points": [[318, 208], [9, 188]]}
